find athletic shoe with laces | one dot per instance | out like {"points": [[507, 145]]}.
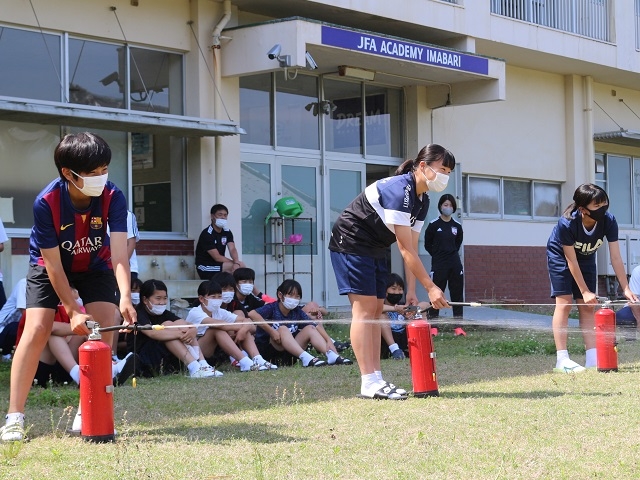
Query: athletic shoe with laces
{"points": [[13, 432], [235, 363], [203, 372], [256, 367], [398, 354], [216, 372], [269, 365], [569, 366]]}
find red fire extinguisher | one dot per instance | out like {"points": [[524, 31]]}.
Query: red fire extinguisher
{"points": [[423, 359], [606, 345], [96, 389]]}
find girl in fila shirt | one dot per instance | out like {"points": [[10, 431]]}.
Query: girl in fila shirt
{"points": [[572, 268], [389, 210]]}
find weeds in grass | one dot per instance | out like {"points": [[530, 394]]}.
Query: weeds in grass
{"points": [[54, 396], [55, 427], [296, 397], [258, 465]]}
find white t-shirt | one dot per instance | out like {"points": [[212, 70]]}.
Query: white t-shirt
{"points": [[132, 232], [197, 315], [17, 299], [634, 281], [3, 238]]}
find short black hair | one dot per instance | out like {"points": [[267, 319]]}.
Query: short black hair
{"points": [[444, 198], [394, 279], [244, 273], [81, 152], [217, 207], [225, 280], [290, 286], [209, 287], [150, 286]]}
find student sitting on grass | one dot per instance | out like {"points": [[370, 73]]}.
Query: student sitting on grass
{"points": [[162, 350], [292, 332], [230, 330], [393, 327], [316, 312]]}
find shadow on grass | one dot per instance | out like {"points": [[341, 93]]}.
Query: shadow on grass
{"points": [[228, 432], [532, 395]]}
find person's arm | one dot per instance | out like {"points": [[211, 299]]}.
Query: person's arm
{"points": [[621, 274], [61, 329], [215, 254], [414, 269], [572, 262], [60, 284], [233, 253], [120, 262], [429, 236], [459, 237], [260, 322]]}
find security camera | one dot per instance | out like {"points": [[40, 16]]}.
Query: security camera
{"points": [[311, 63], [274, 52]]}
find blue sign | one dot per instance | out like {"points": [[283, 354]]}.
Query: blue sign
{"points": [[400, 49]]}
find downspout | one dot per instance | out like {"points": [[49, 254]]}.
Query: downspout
{"points": [[588, 129], [217, 104]]}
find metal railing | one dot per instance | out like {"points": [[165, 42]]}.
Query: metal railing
{"points": [[590, 18]]}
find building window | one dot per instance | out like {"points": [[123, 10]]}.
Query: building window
{"points": [[155, 81], [31, 64], [341, 105], [487, 197]]}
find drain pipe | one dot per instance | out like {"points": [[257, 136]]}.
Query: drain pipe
{"points": [[217, 104]]}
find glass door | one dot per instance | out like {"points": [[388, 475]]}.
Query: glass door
{"points": [[345, 182]]}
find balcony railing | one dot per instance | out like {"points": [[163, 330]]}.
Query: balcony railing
{"points": [[590, 18]]}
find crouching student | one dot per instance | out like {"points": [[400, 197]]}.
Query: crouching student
{"points": [[292, 331], [224, 329], [163, 350]]}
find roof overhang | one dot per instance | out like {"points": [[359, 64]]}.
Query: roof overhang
{"points": [[27, 110], [620, 137], [467, 77]]}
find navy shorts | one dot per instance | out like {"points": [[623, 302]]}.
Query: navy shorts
{"points": [[94, 286], [562, 282], [360, 274]]}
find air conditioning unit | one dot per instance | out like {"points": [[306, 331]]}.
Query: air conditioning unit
{"points": [[633, 252]]}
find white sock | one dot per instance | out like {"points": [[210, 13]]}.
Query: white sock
{"points": [[259, 360], [245, 363], [306, 358], [12, 418], [394, 347], [561, 356], [77, 422], [74, 373], [331, 357], [378, 374], [592, 358], [204, 363], [370, 384], [193, 366]]}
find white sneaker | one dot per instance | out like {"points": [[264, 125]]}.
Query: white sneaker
{"points": [[216, 373], [569, 366], [13, 432], [270, 366], [202, 372]]}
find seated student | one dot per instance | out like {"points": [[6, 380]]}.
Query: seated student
{"points": [[630, 313], [120, 338], [316, 312], [289, 336], [229, 329], [393, 329], [10, 315], [163, 350]]}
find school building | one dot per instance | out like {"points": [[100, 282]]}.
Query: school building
{"points": [[244, 102]]}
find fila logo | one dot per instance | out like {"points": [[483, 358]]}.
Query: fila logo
{"points": [[64, 227]]}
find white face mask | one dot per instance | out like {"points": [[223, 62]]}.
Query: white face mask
{"points": [[214, 304], [157, 309], [135, 298], [93, 186], [245, 288], [447, 211], [439, 183], [221, 223], [227, 297], [290, 303]]}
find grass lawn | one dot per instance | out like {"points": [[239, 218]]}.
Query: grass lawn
{"points": [[501, 414]]}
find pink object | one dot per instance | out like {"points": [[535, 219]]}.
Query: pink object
{"points": [[459, 331], [434, 331], [294, 238], [267, 299]]}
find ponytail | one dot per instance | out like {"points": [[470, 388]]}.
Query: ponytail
{"points": [[429, 154]]}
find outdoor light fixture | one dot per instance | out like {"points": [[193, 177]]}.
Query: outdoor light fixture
{"points": [[353, 72]]}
